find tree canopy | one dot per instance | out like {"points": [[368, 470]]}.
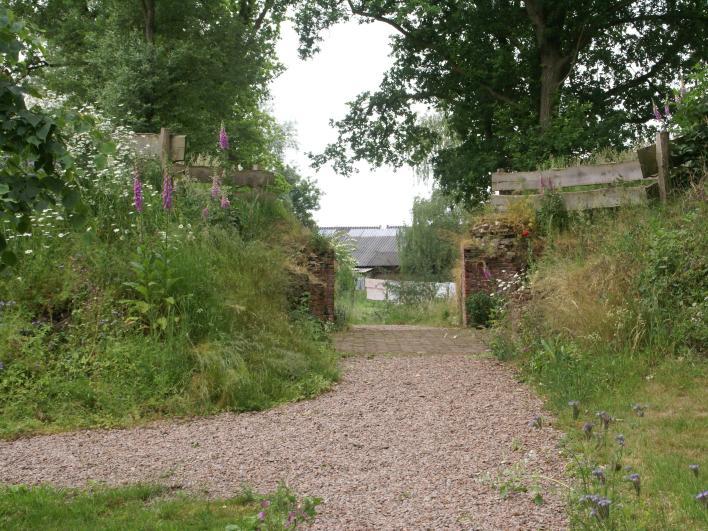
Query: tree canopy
{"points": [[517, 81]]}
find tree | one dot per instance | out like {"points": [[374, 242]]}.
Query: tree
{"points": [[303, 197], [35, 168], [428, 248], [183, 64], [517, 81]]}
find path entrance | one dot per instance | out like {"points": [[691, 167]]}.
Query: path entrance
{"points": [[424, 431]]}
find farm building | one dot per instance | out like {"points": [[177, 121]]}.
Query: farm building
{"points": [[375, 248]]}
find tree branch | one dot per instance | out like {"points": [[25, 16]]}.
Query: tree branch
{"points": [[395, 25]]}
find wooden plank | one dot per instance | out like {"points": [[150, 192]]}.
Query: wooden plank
{"points": [[589, 199], [178, 145], [662, 161], [252, 178], [164, 153], [647, 160], [575, 176]]}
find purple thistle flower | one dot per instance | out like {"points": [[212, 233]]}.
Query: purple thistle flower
{"points": [[636, 482], [225, 203], [657, 112], [223, 138], [215, 187], [167, 190], [137, 192], [587, 429], [205, 213], [694, 469], [703, 497]]}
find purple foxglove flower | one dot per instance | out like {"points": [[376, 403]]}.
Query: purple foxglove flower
{"points": [[223, 139], [137, 192], [205, 213], [215, 187], [657, 112], [167, 190], [225, 203]]}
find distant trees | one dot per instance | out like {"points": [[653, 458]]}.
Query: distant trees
{"points": [[516, 80], [428, 249]]}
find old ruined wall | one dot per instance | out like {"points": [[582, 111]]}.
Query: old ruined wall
{"points": [[320, 286], [494, 254]]}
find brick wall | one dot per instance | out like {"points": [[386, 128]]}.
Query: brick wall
{"points": [[320, 285], [495, 248]]}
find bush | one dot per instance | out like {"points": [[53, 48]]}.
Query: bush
{"points": [[480, 308]]}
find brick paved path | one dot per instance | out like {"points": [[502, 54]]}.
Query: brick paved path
{"points": [[407, 339]]}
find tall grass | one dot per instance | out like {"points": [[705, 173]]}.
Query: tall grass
{"points": [[617, 319]]}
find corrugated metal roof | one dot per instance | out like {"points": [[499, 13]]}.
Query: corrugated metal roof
{"points": [[373, 246]]}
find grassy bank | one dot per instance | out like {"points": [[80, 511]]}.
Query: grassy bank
{"points": [[140, 314], [617, 322], [148, 507]]}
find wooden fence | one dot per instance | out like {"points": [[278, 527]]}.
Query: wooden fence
{"points": [[613, 185], [171, 150]]}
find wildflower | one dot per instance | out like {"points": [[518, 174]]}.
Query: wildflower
{"points": [[620, 439], [605, 418], [223, 138], [657, 112], [215, 187], [261, 516], [526, 233], [576, 408], [29, 251], [167, 190], [703, 497], [636, 482], [536, 422], [225, 203], [137, 192], [205, 213], [265, 504], [694, 469], [599, 473], [587, 429], [601, 505]]}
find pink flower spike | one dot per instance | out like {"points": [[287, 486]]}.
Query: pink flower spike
{"points": [[225, 203], [205, 213], [167, 190], [223, 138], [137, 192], [657, 113], [215, 187]]}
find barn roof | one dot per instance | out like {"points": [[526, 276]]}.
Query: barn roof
{"points": [[373, 246]]}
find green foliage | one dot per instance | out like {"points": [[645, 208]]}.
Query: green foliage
{"points": [[616, 318], [480, 308], [428, 248], [552, 214], [304, 196], [356, 309], [516, 83], [36, 167], [150, 507], [156, 64]]}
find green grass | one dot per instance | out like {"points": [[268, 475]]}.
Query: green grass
{"points": [[144, 507], [618, 317], [137, 317], [359, 310]]}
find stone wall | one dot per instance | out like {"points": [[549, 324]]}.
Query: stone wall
{"points": [[495, 253]]}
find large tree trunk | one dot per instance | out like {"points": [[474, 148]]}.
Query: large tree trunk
{"points": [[149, 20], [552, 72]]}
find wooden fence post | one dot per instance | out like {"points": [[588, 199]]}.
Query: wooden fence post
{"points": [[164, 147], [662, 162]]}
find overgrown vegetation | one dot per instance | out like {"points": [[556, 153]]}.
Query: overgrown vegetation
{"points": [[617, 322], [357, 309], [149, 507], [169, 298]]}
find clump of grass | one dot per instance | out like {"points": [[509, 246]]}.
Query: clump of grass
{"points": [[616, 324], [149, 507]]}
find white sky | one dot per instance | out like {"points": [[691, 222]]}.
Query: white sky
{"points": [[309, 93]]}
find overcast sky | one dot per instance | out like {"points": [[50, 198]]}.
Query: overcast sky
{"points": [[353, 58]]}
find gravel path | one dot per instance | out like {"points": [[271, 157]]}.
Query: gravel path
{"points": [[405, 441]]}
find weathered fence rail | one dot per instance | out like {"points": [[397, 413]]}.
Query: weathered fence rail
{"points": [[171, 149], [623, 183]]}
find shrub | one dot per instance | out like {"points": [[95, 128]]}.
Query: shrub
{"points": [[480, 307]]}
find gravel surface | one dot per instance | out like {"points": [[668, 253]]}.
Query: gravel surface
{"points": [[402, 442]]}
